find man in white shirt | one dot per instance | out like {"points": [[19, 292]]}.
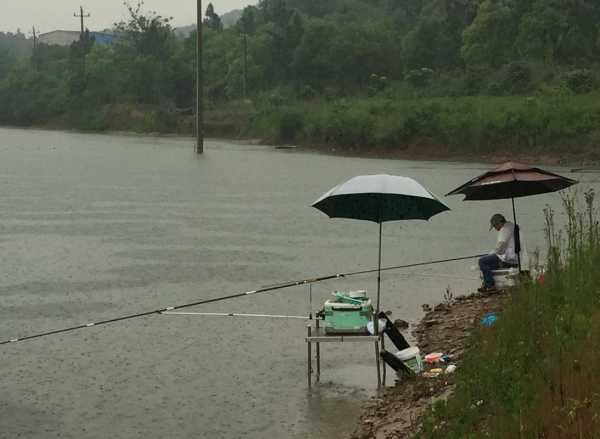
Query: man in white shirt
{"points": [[504, 255]]}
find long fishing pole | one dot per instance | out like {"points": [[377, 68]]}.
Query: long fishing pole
{"points": [[374, 270], [232, 314], [232, 296]]}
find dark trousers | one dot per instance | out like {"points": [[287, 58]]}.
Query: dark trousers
{"points": [[486, 265]]}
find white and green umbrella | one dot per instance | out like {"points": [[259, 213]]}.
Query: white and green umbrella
{"points": [[380, 198]]}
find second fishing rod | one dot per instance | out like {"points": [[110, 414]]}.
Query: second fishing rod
{"points": [[232, 296]]}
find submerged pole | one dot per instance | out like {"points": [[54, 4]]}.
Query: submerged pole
{"points": [[199, 83]]}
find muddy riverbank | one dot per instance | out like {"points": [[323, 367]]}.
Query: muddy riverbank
{"points": [[395, 414], [432, 152]]}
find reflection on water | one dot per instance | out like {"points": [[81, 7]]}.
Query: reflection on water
{"points": [[97, 226]]}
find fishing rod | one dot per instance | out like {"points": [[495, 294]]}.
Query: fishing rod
{"points": [[374, 270], [232, 314], [308, 281]]}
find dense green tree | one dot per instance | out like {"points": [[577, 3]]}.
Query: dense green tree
{"points": [[145, 34], [275, 11], [274, 43], [17, 44], [312, 48], [436, 39], [361, 49], [145, 46], [559, 31], [248, 21], [7, 61], [103, 82], [312, 63], [212, 20], [489, 39]]}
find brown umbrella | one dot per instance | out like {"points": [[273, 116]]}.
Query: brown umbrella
{"points": [[512, 180]]}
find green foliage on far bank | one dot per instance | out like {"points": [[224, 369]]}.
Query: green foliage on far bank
{"points": [[468, 75], [482, 124], [534, 374]]}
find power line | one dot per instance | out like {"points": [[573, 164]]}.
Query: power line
{"points": [[82, 16], [232, 296]]}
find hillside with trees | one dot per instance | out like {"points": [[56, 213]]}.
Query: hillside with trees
{"points": [[355, 73]]}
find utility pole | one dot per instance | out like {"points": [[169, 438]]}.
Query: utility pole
{"points": [[82, 16], [245, 78], [199, 83], [34, 53], [35, 41]]}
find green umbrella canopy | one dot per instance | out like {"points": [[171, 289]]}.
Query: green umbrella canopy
{"points": [[380, 198]]}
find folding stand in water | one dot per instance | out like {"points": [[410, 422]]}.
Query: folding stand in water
{"points": [[318, 335]]}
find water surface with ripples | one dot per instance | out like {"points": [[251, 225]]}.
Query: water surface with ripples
{"points": [[97, 226]]}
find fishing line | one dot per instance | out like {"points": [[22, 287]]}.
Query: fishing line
{"points": [[232, 296]]}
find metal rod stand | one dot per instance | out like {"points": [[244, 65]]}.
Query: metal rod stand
{"points": [[309, 329], [383, 362], [318, 355], [377, 353]]}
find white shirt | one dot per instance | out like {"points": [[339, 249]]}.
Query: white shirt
{"points": [[505, 246]]}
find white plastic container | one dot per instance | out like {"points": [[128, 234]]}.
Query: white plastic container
{"points": [[506, 277], [358, 294], [412, 358]]}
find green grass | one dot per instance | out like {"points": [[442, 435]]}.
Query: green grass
{"points": [[536, 372], [556, 123], [482, 124]]}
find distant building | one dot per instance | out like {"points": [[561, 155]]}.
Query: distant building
{"points": [[59, 37], [103, 38], [68, 37]]}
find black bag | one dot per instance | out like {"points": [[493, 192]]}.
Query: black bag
{"points": [[395, 363], [392, 332]]}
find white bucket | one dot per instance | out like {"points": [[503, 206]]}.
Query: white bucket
{"points": [[411, 357], [506, 277]]}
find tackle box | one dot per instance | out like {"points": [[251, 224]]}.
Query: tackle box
{"points": [[348, 313]]}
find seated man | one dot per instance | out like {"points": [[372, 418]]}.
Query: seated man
{"points": [[504, 255]]}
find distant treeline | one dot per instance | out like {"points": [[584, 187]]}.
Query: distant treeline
{"points": [[309, 51]]}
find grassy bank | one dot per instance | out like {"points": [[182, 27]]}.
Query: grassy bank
{"points": [[479, 125], [562, 125], [534, 374]]}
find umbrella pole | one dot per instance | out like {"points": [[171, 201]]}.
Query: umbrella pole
{"points": [[515, 219], [376, 319]]}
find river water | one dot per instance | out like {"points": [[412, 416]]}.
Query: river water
{"points": [[98, 226]]}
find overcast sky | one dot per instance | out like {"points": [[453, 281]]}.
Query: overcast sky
{"points": [[48, 15]]}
